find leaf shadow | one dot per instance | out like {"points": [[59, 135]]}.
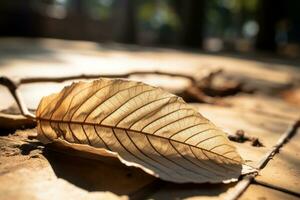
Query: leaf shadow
{"points": [[98, 173]]}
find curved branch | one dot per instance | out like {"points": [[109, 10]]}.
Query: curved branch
{"points": [[13, 85], [92, 76], [13, 89]]}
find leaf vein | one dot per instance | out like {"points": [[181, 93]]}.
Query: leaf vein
{"points": [[139, 132]]}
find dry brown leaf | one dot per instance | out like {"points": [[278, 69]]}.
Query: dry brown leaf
{"points": [[144, 126]]}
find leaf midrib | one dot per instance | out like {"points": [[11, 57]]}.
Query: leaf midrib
{"points": [[142, 132]]}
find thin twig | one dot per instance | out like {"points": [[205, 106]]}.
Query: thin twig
{"points": [[13, 88], [93, 76], [243, 184], [13, 85]]}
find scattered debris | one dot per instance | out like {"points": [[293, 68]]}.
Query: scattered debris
{"points": [[241, 137], [216, 84], [256, 142]]}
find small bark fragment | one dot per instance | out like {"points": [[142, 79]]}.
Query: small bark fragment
{"points": [[241, 137]]}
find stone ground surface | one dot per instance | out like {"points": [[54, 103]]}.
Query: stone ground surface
{"points": [[29, 170]]}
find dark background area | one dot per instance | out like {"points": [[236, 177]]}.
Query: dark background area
{"points": [[244, 26]]}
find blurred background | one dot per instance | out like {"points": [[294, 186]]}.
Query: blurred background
{"points": [[238, 26]]}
